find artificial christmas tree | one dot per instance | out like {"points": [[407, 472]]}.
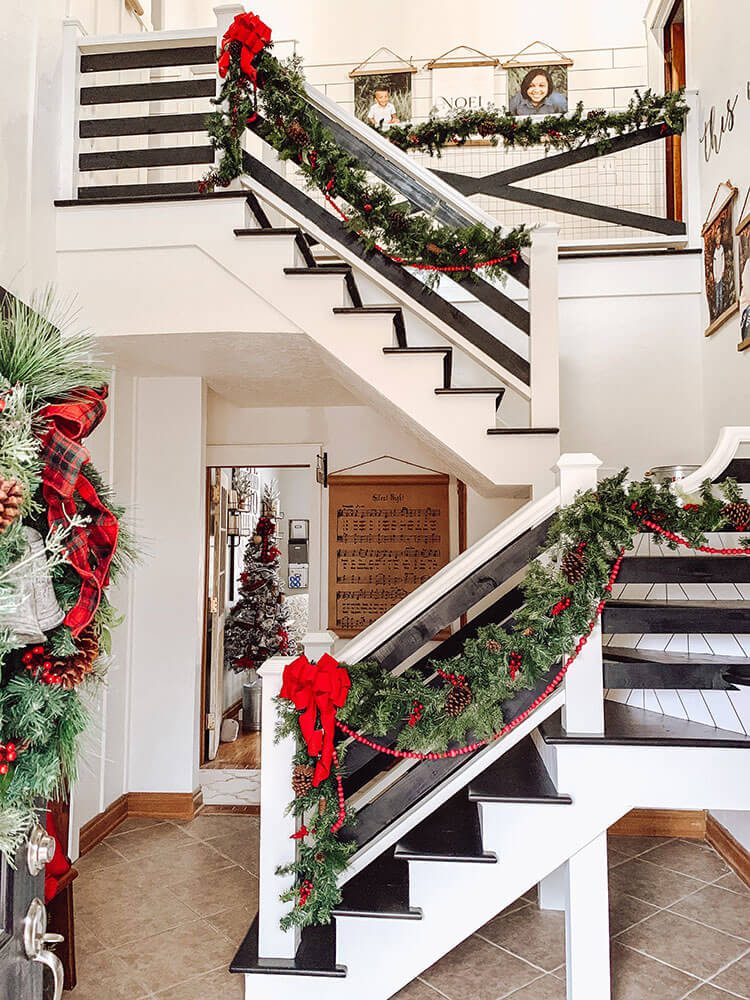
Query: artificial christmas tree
{"points": [[257, 626]]}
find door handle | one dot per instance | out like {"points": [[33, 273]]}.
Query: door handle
{"points": [[35, 937]]}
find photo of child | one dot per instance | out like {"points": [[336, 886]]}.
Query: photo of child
{"points": [[539, 90], [718, 263], [383, 99]]}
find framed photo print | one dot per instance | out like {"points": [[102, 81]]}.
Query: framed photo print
{"points": [[538, 81], [743, 252], [718, 258], [382, 96]]}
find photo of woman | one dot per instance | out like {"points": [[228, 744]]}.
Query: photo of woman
{"points": [[537, 92]]}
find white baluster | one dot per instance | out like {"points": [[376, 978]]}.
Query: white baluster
{"points": [[276, 825], [587, 923], [584, 683], [545, 327], [70, 85]]}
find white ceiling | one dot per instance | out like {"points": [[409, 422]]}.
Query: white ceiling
{"points": [[246, 369]]}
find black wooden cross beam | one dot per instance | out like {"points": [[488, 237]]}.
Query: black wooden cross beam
{"points": [[500, 184]]}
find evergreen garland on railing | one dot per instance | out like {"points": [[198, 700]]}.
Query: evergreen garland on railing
{"points": [[564, 591]]}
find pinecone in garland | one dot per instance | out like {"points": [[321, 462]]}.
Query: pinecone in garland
{"points": [[302, 777], [11, 496], [492, 646], [296, 133], [458, 700], [737, 514], [486, 127], [73, 669], [573, 566]]}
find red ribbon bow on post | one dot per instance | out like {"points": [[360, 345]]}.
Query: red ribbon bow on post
{"points": [[253, 36], [317, 690], [89, 548]]}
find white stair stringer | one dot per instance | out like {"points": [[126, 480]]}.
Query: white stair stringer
{"points": [[168, 251], [382, 955]]}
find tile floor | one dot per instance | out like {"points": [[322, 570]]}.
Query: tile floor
{"points": [[161, 907]]}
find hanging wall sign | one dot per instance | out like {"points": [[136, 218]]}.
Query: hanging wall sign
{"points": [[718, 258], [382, 89], [743, 244], [463, 79], [538, 81]]}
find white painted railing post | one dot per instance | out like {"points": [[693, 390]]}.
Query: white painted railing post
{"points": [[70, 84], [587, 923], [316, 644], [276, 825], [544, 311], [225, 14], [584, 683], [690, 159]]}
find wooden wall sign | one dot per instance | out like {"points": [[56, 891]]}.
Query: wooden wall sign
{"points": [[386, 535]]}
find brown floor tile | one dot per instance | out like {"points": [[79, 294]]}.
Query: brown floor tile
{"points": [[101, 857], [636, 977], [476, 970], [234, 922], [87, 943], [148, 840], [217, 985], [517, 904], [721, 908], [219, 825], [225, 888], [690, 858], [708, 992], [173, 956], [417, 991], [733, 882], [189, 860], [736, 978], [242, 849], [683, 944], [106, 967], [133, 916], [625, 910], [615, 857], [538, 936], [631, 846], [650, 882], [136, 823], [546, 988]]}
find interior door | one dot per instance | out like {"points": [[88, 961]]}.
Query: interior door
{"points": [[674, 79], [221, 481], [24, 951]]}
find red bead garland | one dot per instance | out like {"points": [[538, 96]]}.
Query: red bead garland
{"points": [[709, 549]]}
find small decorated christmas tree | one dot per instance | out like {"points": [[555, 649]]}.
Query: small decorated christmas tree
{"points": [[257, 626]]}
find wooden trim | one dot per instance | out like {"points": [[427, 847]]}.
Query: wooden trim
{"points": [[730, 849], [721, 320], [215, 810], [462, 63], [156, 805], [165, 805], [394, 479], [743, 345], [715, 210], [101, 826], [688, 823], [203, 741]]}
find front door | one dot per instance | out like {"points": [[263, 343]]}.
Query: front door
{"points": [[23, 925]]}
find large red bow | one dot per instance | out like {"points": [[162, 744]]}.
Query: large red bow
{"points": [[89, 548], [317, 688], [253, 36]]}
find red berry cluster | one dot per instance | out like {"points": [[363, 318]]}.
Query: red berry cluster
{"points": [[416, 712], [562, 605], [515, 660], [8, 753], [455, 679], [305, 891], [36, 662]]}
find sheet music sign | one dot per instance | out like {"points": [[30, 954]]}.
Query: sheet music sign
{"points": [[387, 534], [462, 88]]}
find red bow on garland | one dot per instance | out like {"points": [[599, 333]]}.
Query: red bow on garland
{"points": [[90, 548], [317, 689], [253, 36]]}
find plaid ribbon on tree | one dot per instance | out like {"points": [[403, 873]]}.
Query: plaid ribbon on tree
{"points": [[89, 548]]}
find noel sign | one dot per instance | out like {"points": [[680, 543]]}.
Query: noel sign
{"points": [[462, 81]]}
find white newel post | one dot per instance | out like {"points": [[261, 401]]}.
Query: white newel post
{"points": [[544, 311], [276, 825], [225, 14], [587, 923], [70, 84], [583, 711], [318, 643], [691, 157]]}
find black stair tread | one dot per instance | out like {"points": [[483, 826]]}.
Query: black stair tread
{"points": [[695, 569], [518, 776], [247, 960], [523, 430], [708, 617], [159, 156], [625, 725], [192, 195], [270, 231], [395, 311], [737, 675], [381, 890], [124, 93], [147, 58], [133, 192], [367, 309], [417, 350], [452, 833], [467, 390], [142, 125], [329, 269], [621, 654]]}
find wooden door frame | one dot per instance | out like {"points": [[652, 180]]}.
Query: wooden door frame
{"points": [[268, 456], [674, 63]]}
